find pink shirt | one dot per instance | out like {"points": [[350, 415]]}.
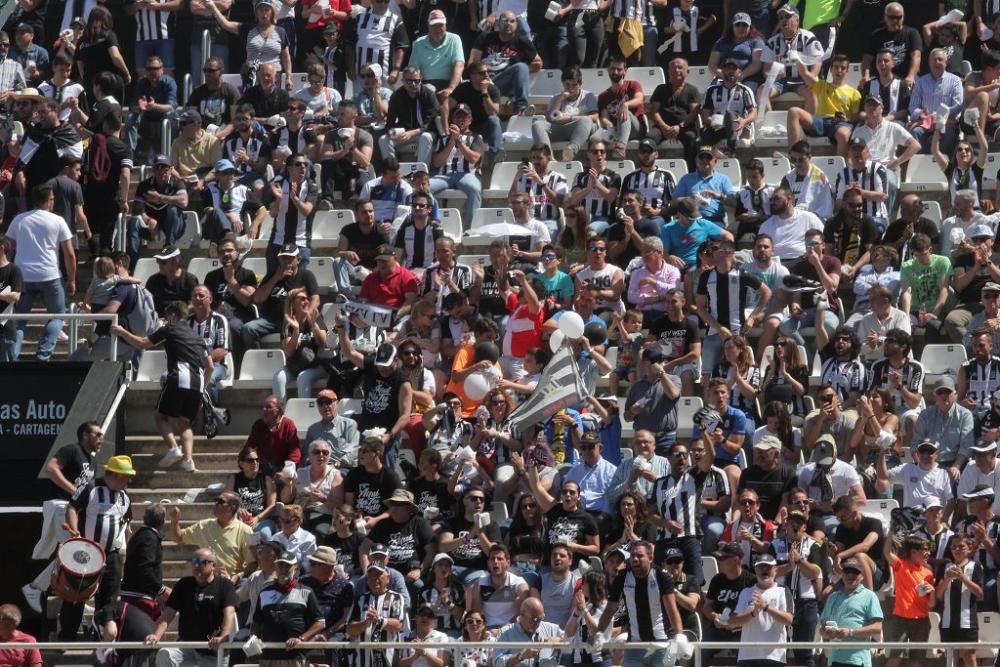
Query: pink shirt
{"points": [[18, 657], [668, 277]]}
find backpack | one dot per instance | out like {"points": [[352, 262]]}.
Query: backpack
{"points": [[142, 320]]}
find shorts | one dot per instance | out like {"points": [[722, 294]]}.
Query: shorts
{"points": [[782, 86], [693, 368], [959, 635], [827, 127], [913, 630], [177, 402]]}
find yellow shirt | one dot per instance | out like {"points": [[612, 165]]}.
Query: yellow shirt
{"points": [[188, 156], [230, 543], [830, 100]]}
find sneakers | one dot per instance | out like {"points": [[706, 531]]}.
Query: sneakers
{"points": [[188, 466], [568, 154], [172, 456], [33, 596]]}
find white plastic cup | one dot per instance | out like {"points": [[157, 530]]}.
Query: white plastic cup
{"points": [[360, 527], [716, 120], [550, 13]]}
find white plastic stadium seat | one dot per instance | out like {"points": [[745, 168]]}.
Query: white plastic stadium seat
{"points": [[880, 509], [259, 366], [686, 407], [520, 126], [990, 171], [731, 168], [709, 568], [989, 625], [932, 211], [567, 169], [151, 366], [504, 174], [676, 166], [327, 226], [192, 231], [470, 260], [491, 216], [322, 269], [258, 265], [648, 77], [772, 130], [700, 77], [349, 406], [775, 169], [200, 266], [831, 165], [923, 175], [595, 80], [299, 80], [233, 80], [543, 84], [941, 360], [451, 222], [621, 167], [302, 411], [144, 268], [853, 78]]}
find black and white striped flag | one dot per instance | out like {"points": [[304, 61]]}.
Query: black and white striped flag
{"points": [[559, 388]]}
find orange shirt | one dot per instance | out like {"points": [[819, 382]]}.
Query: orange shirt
{"points": [[909, 603], [465, 357]]}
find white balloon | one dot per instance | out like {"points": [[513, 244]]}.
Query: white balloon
{"points": [[476, 386], [556, 340], [571, 324]]}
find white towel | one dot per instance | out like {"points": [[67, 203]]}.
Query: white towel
{"points": [[53, 533]]}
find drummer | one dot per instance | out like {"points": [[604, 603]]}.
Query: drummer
{"points": [[100, 512]]}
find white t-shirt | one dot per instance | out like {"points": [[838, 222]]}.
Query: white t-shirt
{"points": [[790, 235], [434, 636], [919, 484], [842, 477], [38, 235], [763, 628], [884, 140], [972, 476]]}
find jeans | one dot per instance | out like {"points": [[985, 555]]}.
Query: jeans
{"points": [[664, 442], [691, 548], [303, 382], [791, 326], [219, 373], [514, 82], [640, 657], [492, 133], [423, 141], [804, 630], [948, 139], [466, 182], [8, 349], [712, 526], [188, 657], [254, 330], [173, 227], [892, 188], [576, 132], [465, 574], [651, 40], [711, 633], [553, 45], [271, 256], [586, 29], [53, 294], [216, 225]]}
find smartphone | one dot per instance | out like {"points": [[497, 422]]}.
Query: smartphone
{"points": [[525, 162]]}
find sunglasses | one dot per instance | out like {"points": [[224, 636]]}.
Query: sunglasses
{"points": [[299, 164], [324, 401], [477, 499], [222, 501], [209, 70], [296, 108], [548, 258], [473, 621], [538, 619], [321, 452], [747, 501], [198, 562], [597, 248], [412, 82], [410, 353]]}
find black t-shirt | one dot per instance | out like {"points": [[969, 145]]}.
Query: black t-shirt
{"points": [[120, 157], [902, 43], [283, 615], [363, 244], [77, 466], [348, 549], [96, 57], [973, 291], [469, 552], [498, 55], [164, 291], [201, 608], [370, 489], [252, 492], [184, 347], [273, 307], [465, 93], [10, 276], [675, 106], [215, 281], [849, 537], [407, 542], [433, 494], [770, 486], [894, 232], [215, 106], [334, 597], [492, 302], [125, 295], [573, 526], [381, 403], [723, 592], [675, 337], [616, 232], [157, 210], [264, 104]]}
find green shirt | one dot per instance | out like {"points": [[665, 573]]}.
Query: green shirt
{"points": [[436, 62], [924, 280], [559, 286], [852, 610]]}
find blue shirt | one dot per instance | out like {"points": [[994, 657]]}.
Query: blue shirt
{"points": [[852, 610], [733, 421], [594, 483], [33, 52], [693, 183], [684, 241], [515, 633], [952, 431], [930, 93]]}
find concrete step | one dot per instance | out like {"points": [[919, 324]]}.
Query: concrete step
{"points": [[153, 444], [175, 478], [224, 461], [189, 511]]}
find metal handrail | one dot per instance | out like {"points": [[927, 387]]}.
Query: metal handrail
{"points": [[71, 317]]}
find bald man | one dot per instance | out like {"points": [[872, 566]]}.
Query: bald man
{"points": [[529, 627]]}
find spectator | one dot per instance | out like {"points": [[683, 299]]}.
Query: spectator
{"points": [[214, 99], [334, 593], [899, 376], [722, 594], [154, 97], [807, 184], [232, 286], [737, 114], [195, 151], [357, 246], [32, 57], [651, 285], [916, 594], [40, 237], [874, 327], [769, 477], [319, 100], [884, 136], [789, 37], [826, 478], [317, 488], [294, 204], [982, 526], [807, 306], [509, 57], [836, 105], [902, 41], [295, 539], [881, 272], [346, 540], [964, 169], [634, 473], [979, 377], [688, 232], [159, 205], [568, 522], [950, 424], [711, 189], [390, 285], [831, 420], [171, 282], [424, 619], [265, 96], [411, 116], [207, 607], [346, 155], [54, 138], [256, 491], [304, 335], [556, 588], [860, 538], [799, 565], [861, 190], [382, 42], [983, 471], [287, 612], [652, 401], [786, 381], [106, 191], [275, 437], [97, 52], [529, 624], [267, 42], [678, 340], [621, 107], [570, 117], [672, 110], [339, 432], [274, 289], [971, 272], [214, 330], [852, 613], [10, 618], [457, 159], [932, 90], [592, 474], [597, 188], [231, 208], [223, 533]]}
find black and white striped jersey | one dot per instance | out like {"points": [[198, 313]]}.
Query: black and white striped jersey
{"points": [[214, 330], [677, 500], [151, 23], [103, 515], [981, 379], [656, 186], [376, 35], [598, 207], [457, 162], [739, 99], [544, 208], [959, 606], [643, 600], [912, 377], [845, 376], [257, 146], [873, 177]]}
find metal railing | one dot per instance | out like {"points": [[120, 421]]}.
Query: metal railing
{"points": [[949, 649], [74, 320]]}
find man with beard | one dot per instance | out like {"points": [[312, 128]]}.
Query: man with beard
{"points": [[899, 375], [869, 179], [232, 286], [734, 103], [357, 246], [789, 37], [378, 615], [655, 186], [546, 187], [270, 296], [771, 273], [800, 569], [679, 341], [370, 481], [457, 157], [621, 107]]}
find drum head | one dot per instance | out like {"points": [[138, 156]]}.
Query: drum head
{"points": [[81, 557]]}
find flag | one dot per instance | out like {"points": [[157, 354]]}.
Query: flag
{"points": [[559, 388]]}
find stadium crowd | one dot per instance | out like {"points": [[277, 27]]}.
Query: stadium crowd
{"points": [[739, 365]]}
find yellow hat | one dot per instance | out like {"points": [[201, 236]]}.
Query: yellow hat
{"points": [[121, 465]]}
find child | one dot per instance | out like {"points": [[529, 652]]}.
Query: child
{"points": [[608, 423], [915, 591], [421, 182], [102, 286], [627, 331], [953, 580], [534, 362]]}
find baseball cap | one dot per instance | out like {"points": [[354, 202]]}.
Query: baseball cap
{"points": [[874, 99], [927, 443], [767, 443], [980, 231], [162, 159], [798, 515], [705, 150], [378, 567], [931, 502], [826, 450], [979, 491], [652, 355], [857, 142], [330, 28], [437, 17], [765, 559], [385, 355], [189, 116], [289, 250], [735, 62], [983, 446], [991, 287], [167, 252], [225, 165], [288, 558], [742, 17], [728, 549], [379, 549], [464, 108], [647, 145], [852, 564], [788, 9], [944, 382], [384, 251], [442, 557], [673, 554]]}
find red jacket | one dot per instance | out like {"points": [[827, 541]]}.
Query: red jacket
{"points": [[275, 447]]}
